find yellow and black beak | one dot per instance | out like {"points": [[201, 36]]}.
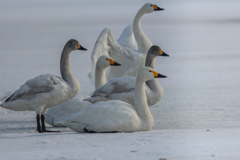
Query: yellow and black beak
{"points": [[157, 75], [80, 47], [156, 8], [113, 63], [161, 53]]}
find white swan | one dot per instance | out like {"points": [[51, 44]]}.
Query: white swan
{"points": [[103, 62], [115, 115], [42, 92], [74, 105], [124, 51], [123, 88]]}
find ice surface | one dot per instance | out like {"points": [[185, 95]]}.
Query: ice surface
{"points": [[201, 92]]}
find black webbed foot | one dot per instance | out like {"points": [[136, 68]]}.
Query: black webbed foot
{"points": [[43, 125], [39, 128], [89, 131], [49, 131]]}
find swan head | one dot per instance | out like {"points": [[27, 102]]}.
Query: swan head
{"points": [[149, 8], [157, 51], [73, 45], [105, 61], [147, 73]]}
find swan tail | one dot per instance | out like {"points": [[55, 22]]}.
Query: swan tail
{"points": [[60, 123], [88, 100]]}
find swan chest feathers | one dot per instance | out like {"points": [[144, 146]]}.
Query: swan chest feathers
{"points": [[43, 91], [107, 116]]}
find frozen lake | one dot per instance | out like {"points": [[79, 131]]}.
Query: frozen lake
{"points": [[198, 116]]}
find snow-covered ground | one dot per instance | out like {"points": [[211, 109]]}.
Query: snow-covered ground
{"points": [[199, 115]]}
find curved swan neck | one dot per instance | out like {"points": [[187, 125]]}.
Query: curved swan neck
{"points": [[140, 102], [66, 70], [137, 21], [99, 77], [150, 60], [143, 42]]}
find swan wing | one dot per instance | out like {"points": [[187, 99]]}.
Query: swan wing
{"points": [[127, 38], [101, 47], [118, 85], [115, 89], [41, 84], [131, 61]]}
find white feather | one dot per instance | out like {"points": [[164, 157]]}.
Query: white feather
{"points": [[116, 115], [125, 50]]}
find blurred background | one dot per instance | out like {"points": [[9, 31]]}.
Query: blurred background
{"points": [[202, 38]]}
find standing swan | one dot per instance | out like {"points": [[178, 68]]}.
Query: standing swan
{"points": [[40, 93], [130, 49], [117, 116], [123, 88], [74, 105]]}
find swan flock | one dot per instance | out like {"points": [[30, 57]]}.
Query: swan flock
{"points": [[119, 105]]}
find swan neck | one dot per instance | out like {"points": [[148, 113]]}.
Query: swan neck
{"points": [[143, 42], [140, 102], [137, 30], [66, 70], [137, 20], [99, 77], [150, 60]]}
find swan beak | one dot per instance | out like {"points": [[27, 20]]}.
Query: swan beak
{"points": [[80, 47], [113, 63], [157, 75], [156, 8], [161, 53]]}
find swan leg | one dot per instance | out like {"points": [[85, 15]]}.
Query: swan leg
{"points": [[39, 128], [43, 125], [89, 131]]}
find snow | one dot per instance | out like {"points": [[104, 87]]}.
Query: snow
{"points": [[198, 116]]}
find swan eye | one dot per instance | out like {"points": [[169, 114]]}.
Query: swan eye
{"points": [[150, 71], [150, 5]]}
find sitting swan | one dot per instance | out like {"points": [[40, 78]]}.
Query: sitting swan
{"points": [[123, 88], [74, 105], [42, 92], [124, 50], [115, 115]]}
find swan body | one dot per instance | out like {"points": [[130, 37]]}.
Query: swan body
{"points": [[130, 49], [64, 110], [61, 111], [45, 91], [123, 88], [115, 115]]}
